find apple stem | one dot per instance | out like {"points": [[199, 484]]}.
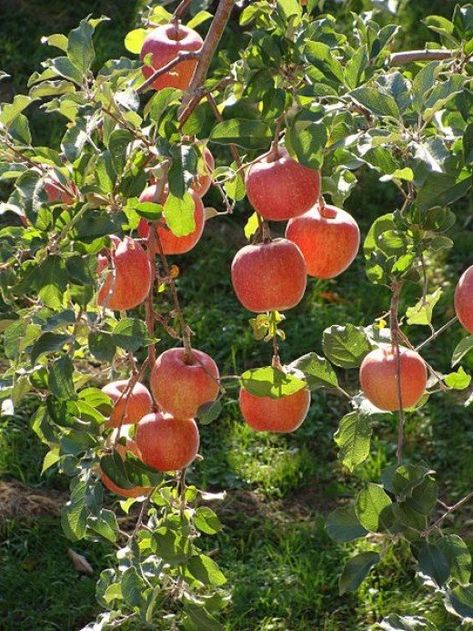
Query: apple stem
{"points": [[181, 9]]}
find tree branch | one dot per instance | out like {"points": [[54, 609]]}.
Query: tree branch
{"points": [[455, 507], [409, 56], [184, 56], [193, 95], [437, 333]]}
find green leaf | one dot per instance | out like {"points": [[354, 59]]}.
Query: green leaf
{"points": [[102, 346], [74, 140], [345, 346], [198, 19], [199, 619], [179, 214], [433, 563], [248, 134], [371, 503], [48, 343], [105, 524], [424, 496], [251, 226], [171, 546], [401, 480], [60, 379], [321, 56], [132, 587], [58, 40], [423, 82], [421, 312], [206, 520], [376, 101], [50, 459], [318, 371], [459, 602], [342, 525], [457, 380], [355, 67], [205, 570], [209, 412], [134, 40], [307, 140], [80, 49], [458, 556], [64, 67], [288, 8], [353, 438], [356, 570], [117, 145], [10, 111], [270, 382], [461, 349], [131, 334]]}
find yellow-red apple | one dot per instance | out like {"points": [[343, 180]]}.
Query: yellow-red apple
{"points": [[282, 415], [269, 276], [464, 299], [280, 188], [167, 443], [169, 242], [127, 408], [379, 378], [181, 384], [128, 277], [164, 44]]}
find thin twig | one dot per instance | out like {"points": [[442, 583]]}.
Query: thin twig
{"points": [[437, 333], [455, 507], [409, 56], [180, 57]]}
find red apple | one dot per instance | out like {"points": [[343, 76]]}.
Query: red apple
{"points": [[282, 415], [167, 443], [181, 385], [203, 180], [129, 408], [281, 188], [169, 242], [464, 299], [164, 43], [328, 239], [128, 279], [378, 378], [136, 491], [55, 191], [269, 276]]}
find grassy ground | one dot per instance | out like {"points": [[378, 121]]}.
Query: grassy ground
{"points": [[282, 566]]}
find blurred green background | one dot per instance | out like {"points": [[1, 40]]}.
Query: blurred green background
{"points": [[282, 566]]}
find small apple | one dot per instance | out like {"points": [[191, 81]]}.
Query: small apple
{"points": [[181, 384], [167, 443], [269, 276], [130, 408], [328, 238], [280, 188], [282, 415], [464, 299], [170, 243], [164, 43], [136, 491], [379, 382], [128, 276]]}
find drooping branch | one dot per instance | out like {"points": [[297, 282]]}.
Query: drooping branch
{"points": [[409, 56], [193, 95]]}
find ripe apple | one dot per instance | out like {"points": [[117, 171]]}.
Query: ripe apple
{"points": [[182, 384], [280, 188], [167, 443], [378, 378], [130, 408], [282, 415], [128, 279], [136, 491], [464, 299], [169, 242], [164, 43], [56, 193], [328, 238], [203, 180], [269, 276]]}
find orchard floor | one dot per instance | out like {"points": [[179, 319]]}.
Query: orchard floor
{"points": [[280, 563]]}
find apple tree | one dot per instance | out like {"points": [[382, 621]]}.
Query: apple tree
{"points": [[298, 109]]}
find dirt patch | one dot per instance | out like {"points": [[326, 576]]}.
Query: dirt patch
{"points": [[17, 500]]}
